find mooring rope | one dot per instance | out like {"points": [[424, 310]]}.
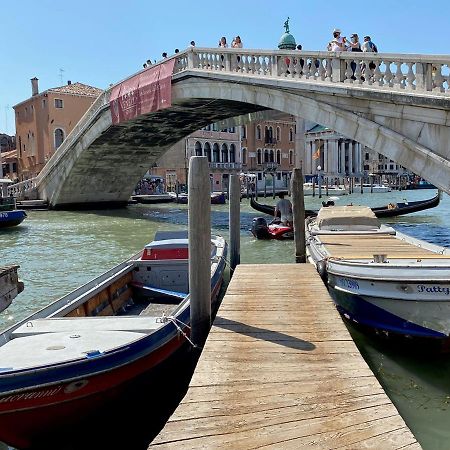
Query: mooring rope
{"points": [[175, 321]]}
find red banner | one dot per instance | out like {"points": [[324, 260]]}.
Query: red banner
{"points": [[148, 91]]}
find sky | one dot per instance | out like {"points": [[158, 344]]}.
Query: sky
{"points": [[99, 42]]}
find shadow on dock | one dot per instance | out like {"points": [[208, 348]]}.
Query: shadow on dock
{"points": [[275, 337]]}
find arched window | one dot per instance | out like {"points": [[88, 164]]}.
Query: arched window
{"points": [[232, 153], [278, 134], [216, 153], [291, 157], [266, 155], [258, 133], [59, 137], [207, 149], [244, 156], [244, 132], [198, 149], [271, 135], [258, 156], [272, 156], [224, 153], [278, 156], [291, 135]]}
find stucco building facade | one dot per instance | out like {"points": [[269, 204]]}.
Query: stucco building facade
{"points": [[45, 119]]}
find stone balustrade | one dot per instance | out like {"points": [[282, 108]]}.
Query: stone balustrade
{"points": [[18, 190], [225, 165], [385, 71]]}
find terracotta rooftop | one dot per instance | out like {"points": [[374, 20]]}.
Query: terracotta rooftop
{"points": [[77, 89]]}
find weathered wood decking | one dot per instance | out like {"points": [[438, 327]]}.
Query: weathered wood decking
{"points": [[280, 370]]}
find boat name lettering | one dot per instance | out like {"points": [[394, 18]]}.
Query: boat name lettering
{"points": [[30, 395], [3, 214], [348, 283], [433, 289]]}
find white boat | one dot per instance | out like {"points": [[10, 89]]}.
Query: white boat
{"points": [[383, 280], [372, 188], [69, 359], [308, 190]]}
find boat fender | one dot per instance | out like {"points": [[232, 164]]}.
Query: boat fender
{"points": [[321, 267]]}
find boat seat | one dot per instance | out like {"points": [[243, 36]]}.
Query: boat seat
{"points": [[136, 324]]}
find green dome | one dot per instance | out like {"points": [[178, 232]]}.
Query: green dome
{"points": [[287, 42]]}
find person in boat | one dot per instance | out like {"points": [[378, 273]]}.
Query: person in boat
{"points": [[284, 206]]}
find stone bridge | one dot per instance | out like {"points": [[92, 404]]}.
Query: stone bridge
{"points": [[398, 105]]}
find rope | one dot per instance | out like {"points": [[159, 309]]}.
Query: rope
{"points": [[175, 321], [227, 263]]}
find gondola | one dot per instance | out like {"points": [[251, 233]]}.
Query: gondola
{"points": [[391, 210]]}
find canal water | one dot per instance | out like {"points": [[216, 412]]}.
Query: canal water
{"points": [[57, 251]]}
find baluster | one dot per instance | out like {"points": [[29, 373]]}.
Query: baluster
{"points": [[378, 75], [264, 66], [253, 66], [358, 72], [438, 79], [243, 63], [410, 77], [328, 71], [388, 76], [398, 79], [447, 79], [348, 71], [322, 71]]}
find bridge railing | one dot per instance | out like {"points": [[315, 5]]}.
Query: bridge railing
{"points": [[22, 189], [386, 71]]}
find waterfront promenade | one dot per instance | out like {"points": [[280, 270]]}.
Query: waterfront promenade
{"points": [[280, 370]]}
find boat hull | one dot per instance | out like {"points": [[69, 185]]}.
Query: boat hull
{"points": [[12, 218]]}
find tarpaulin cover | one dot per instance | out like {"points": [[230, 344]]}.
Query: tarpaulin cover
{"points": [[148, 91]]}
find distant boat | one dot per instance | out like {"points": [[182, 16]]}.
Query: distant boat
{"points": [[310, 189], [9, 215], [217, 198], [372, 188], [69, 358]]}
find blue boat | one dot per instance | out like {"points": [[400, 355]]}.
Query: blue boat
{"points": [[9, 215]]}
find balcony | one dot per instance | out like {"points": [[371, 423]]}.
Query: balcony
{"points": [[269, 167], [225, 165]]}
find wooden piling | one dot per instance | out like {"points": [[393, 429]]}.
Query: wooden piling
{"points": [[234, 223], [298, 209], [273, 185], [199, 219]]}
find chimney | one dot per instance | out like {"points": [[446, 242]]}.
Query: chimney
{"points": [[69, 82], [34, 86]]}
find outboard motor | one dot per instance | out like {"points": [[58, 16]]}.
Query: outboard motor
{"points": [[260, 228]]}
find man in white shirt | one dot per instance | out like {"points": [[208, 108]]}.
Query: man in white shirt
{"points": [[338, 42], [284, 207]]}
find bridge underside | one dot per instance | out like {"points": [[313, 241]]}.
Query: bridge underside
{"points": [[106, 173], [104, 164]]}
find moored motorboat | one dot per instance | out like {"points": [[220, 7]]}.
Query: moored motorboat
{"points": [[276, 230], [9, 215], [58, 364], [217, 198], [372, 188], [310, 189], [382, 280]]}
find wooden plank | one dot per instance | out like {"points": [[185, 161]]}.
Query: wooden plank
{"points": [[280, 370]]}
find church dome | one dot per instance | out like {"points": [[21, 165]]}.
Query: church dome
{"points": [[287, 42]]}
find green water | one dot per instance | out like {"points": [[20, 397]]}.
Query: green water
{"points": [[57, 251]]}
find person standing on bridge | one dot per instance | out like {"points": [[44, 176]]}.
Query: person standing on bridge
{"points": [[223, 42], [236, 43]]}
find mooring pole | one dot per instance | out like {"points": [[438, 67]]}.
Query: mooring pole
{"points": [[199, 219], [298, 209], [235, 223]]}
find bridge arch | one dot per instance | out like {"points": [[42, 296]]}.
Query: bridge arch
{"points": [[406, 152]]}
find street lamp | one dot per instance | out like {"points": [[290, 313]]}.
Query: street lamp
{"points": [[319, 180]]}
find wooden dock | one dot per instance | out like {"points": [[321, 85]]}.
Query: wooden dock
{"points": [[280, 370]]}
